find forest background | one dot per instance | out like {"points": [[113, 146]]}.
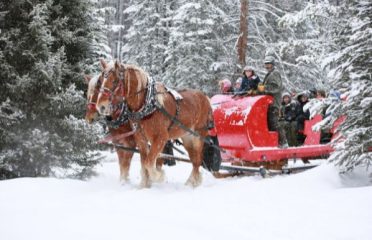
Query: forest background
{"points": [[46, 47]]}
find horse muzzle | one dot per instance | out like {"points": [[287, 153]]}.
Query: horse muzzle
{"points": [[104, 110]]}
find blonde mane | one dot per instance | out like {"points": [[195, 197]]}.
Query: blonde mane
{"points": [[142, 78], [92, 85], [141, 75]]}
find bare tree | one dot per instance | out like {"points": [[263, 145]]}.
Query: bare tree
{"points": [[243, 33]]}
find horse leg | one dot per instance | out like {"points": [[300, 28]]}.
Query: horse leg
{"points": [[155, 172], [194, 147], [143, 149], [159, 163], [125, 158]]}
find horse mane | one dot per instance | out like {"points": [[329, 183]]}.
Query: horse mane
{"points": [[143, 79], [141, 75], [92, 84]]}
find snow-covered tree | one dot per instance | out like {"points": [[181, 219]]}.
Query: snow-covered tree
{"points": [[148, 35], [100, 32], [310, 34], [45, 47], [195, 46], [352, 73]]}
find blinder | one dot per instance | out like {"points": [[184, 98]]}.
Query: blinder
{"points": [[91, 106]]}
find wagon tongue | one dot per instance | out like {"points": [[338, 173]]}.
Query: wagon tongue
{"points": [[110, 138]]}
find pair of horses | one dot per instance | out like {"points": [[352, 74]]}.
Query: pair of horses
{"points": [[129, 84]]}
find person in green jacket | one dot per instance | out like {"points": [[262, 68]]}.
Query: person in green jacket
{"points": [[273, 86]]}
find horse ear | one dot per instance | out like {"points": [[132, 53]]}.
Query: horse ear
{"points": [[103, 64], [87, 78]]}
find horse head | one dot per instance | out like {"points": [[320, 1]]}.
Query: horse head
{"points": [[121, 82], [94, 85]]}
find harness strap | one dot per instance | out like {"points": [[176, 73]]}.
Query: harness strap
{"points": [[206, 140], [176, 115], [122, 118]]}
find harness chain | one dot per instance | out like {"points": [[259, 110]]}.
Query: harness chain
{"points": [[149, 106], [121, 120]]}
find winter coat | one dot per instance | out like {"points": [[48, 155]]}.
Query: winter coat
{"points": [[288, 111], [250, 83], [274, 86], [301, 115]]}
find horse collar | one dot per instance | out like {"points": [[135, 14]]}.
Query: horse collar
{"points": [[122, 118], [149, 106]]}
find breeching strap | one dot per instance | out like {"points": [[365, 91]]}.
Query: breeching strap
{"points": [[181, 125]]}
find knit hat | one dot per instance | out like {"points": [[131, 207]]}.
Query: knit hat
{"points": [[248, 68], [225, 85]]}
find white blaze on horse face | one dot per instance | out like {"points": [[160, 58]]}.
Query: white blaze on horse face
{"points": [[103, 101]]}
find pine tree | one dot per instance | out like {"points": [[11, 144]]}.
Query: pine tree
{"points": [[101, 32], [44, 49], [309, 38], [353, 74], [148, 35], [195, 46]]}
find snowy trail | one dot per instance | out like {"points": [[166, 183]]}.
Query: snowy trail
{"points": [[312, 205]]}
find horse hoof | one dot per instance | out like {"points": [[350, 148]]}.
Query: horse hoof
{"points": [[157, 176], [124, 178], [194, 181], [145, 184], [124, 181]]}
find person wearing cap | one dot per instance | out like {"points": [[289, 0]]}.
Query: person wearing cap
{"points": [[287, 118], [273, 86], [250, 81]]}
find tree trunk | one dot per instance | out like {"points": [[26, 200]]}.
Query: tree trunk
{"points": [[120, 22], [243, 33]]}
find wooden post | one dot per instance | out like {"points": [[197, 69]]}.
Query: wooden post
{"points": [[243, 33]]}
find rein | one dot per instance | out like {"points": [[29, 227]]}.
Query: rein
{"points": [[118, 85], [150, 106]]}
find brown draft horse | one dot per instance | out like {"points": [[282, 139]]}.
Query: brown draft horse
{"points": [[131, 83], [91, 114]]}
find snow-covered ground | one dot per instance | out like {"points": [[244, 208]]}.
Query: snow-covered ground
{"points": [[316, 204]]}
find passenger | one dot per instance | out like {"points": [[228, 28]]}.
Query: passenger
{"points": [[312, 93], [225, 86], [237, 84], [288, 118], [334, 95], [273, 86], [250, 81], [320, 94], [301, 115]]}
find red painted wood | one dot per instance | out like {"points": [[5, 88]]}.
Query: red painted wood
{"points": [[242, 130]]}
